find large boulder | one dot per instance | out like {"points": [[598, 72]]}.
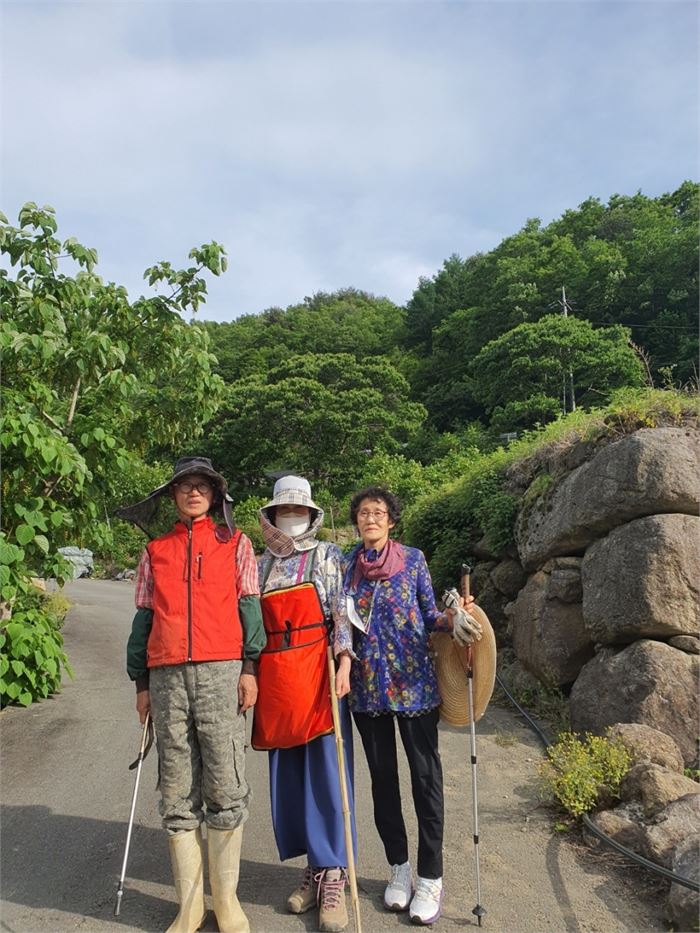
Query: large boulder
{"points": [[646, 682], [683, 904], [652, 471], [548, 635], [642, 580], [647, 745], [677, 822], [509, 577]]}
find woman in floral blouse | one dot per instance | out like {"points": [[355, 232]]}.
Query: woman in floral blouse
{"points": [[394, 678]]}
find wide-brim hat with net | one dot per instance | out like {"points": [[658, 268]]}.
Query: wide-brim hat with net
{"points": [[146, 513], [452, 666]]}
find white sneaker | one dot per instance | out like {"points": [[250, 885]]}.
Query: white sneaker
{"points": [[397, 894], [426, 905]]}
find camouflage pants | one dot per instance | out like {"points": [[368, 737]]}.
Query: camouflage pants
{"points": [[201, 745]]}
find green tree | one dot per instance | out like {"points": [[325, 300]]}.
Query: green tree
{"points": [[320, 414], [91, 382], [346, 321], [533, 363]]}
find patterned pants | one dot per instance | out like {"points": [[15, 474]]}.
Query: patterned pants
{"points": [[201, 745]]}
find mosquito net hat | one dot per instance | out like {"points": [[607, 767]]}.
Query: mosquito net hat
{"points": [[148, 513]]}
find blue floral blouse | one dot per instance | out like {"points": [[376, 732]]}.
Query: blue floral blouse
{"points": [[394, 672]]}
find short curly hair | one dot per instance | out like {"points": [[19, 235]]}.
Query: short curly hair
{"points": [[378, 494]]}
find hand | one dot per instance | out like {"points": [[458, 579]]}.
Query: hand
{"points": [[143, 704], [247, 692], [342, 676], [465, 628]]}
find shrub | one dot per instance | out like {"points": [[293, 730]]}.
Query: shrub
{"points": [[577, 771], [32, 649]]}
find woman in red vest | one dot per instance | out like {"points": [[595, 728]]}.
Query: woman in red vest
{"points": [[303, 606], [193, 652]]}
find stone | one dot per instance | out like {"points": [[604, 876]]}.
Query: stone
{"points": [[493, 603], [683, 905], [652, 471], [621, 824], [678, 821], [508, 577], [688, 643], [648, 745], [646, 682], [655, 787], [548, 635], [643, 580]]}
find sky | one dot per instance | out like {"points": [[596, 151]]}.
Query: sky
{"points": [[331, 144]]}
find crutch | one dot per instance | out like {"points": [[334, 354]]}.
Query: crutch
{"points": [[340, 752], [146, 742], [478, 911]]}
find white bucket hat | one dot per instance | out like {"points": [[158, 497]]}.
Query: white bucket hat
{"points": [[292, 490]]}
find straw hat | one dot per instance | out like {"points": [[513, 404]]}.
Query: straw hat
{"points": [[451, 665]]}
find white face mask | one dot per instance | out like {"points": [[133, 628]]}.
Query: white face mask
{"points": [[293, 525]]}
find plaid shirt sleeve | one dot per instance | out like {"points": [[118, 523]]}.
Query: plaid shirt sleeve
{"points": [[246, 569], [144, 582]]}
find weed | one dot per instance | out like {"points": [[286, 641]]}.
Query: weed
{"points": [[577, 770]]}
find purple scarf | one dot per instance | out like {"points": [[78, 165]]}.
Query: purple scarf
{"points": [[389, 562]]}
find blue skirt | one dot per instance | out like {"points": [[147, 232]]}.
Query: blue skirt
{"points": [[307, 811]]}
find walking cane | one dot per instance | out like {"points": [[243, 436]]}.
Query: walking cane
{"points": [[478, 911], [146, 742], [340, 752]]}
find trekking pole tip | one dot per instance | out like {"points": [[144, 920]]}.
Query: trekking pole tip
{"points": [[118, 902], [479, 912]]}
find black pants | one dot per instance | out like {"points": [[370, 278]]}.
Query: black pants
{"points": [[419, 736]]}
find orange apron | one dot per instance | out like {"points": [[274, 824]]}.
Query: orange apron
{"points": [[294, 704]]}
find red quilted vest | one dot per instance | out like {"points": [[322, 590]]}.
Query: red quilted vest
{"points": [[195, 602]]}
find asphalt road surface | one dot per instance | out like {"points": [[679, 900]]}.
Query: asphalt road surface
{"points": [[66, 792]]}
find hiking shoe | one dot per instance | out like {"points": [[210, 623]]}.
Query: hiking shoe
{"points": [[397, 894], [332, 912], [426, 905], [303, 898]]}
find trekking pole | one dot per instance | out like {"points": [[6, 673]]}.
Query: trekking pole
{"points": [[340, 752], [146, 742], [478, 911]]}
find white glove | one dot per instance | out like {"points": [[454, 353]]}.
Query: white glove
{"points": [[465, 628]]}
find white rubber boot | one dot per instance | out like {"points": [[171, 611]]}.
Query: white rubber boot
{"points": [[224, 867], [187, 858]]}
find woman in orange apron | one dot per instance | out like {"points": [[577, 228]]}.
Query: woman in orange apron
{"points": [[303, 607]]}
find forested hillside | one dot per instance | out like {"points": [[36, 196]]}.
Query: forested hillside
{"points": [[554, 318]]}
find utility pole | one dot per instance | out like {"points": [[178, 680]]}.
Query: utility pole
{"points": [[565, 307]]}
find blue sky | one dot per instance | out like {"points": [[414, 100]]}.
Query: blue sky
{"points": [[331, 144]]}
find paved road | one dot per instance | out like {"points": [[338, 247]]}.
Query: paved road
{"points": [[67, 792]]}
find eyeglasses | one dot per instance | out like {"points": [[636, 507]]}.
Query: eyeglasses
{"points": [[378, 513], [202, 487]]}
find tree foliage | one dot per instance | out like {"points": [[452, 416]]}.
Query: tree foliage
{"points": [[346, 321], [318, 414], [631, 262], [91, 382]]}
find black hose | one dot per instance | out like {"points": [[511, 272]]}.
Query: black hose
{"points": [[628, 853]]}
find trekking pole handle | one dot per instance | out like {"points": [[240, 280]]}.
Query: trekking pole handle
{"points": [[466, 573]]}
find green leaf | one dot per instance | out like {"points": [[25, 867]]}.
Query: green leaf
{"points": [[42, 542], [25, 698], [24, 533], [17, 667]]}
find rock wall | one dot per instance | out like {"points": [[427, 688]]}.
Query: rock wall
{"points": [[601, 597], [601, 594]]}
